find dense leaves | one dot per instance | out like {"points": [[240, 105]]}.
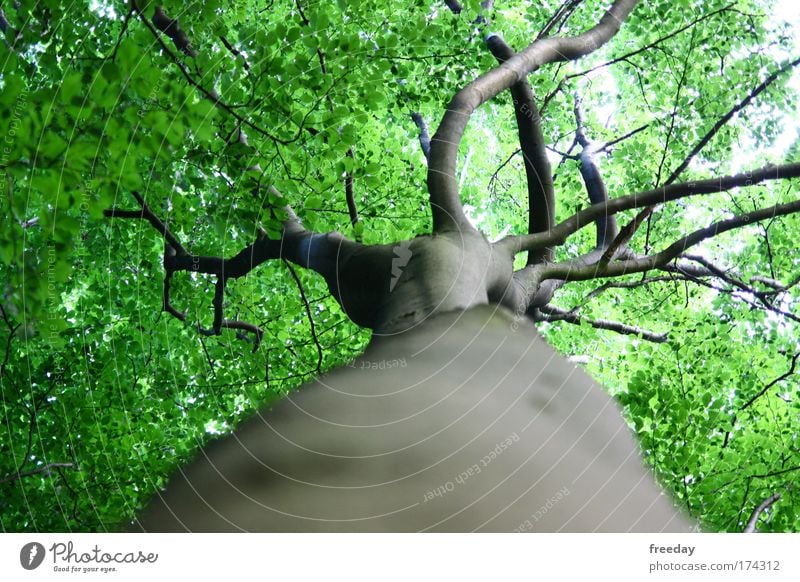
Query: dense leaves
{"points": [[103, 395]]}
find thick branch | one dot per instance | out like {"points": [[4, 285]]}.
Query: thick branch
{"points": [[172, 29], [424, 136], [349, 194], [539, 175], [442, 183], [579, 220], [297, 244], [762, 507], [595, 186], [454, 6], [220, 322]]}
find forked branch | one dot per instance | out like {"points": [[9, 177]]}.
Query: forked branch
{"points": [[583, 218], [442, 184], [297, 244]]}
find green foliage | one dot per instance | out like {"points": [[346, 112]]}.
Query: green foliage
{"points": [[97, 380]]}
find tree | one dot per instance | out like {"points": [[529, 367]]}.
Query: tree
{"points": [[256, 170]]}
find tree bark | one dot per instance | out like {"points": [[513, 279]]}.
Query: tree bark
{"points": [[469, 422]]}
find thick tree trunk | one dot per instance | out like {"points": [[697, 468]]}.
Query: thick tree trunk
{"points": [[467, 421]]}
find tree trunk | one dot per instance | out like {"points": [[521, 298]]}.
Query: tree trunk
{"points": [[467, 421]]}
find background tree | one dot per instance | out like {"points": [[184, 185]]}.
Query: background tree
{"points": [[145, 142]]}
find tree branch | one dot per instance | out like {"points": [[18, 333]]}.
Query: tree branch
{"points": [[539, 175], [46, 469], [424, 136], [559, 17], [727, 117], [579, 220], [172, 29], [762, 507], [625, 57], [554, 314], [771, 384], [569, 272], [350, 197], [595, 186], [147, 214], [310, 317], [442, 182], [211, 95], [608, 145], [454, 6], [235, 52], [630, 229], [220, 322], [760, 393], [297, 244]]}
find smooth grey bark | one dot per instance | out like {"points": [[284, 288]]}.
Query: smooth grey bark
{"points": [[468, 422]]}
